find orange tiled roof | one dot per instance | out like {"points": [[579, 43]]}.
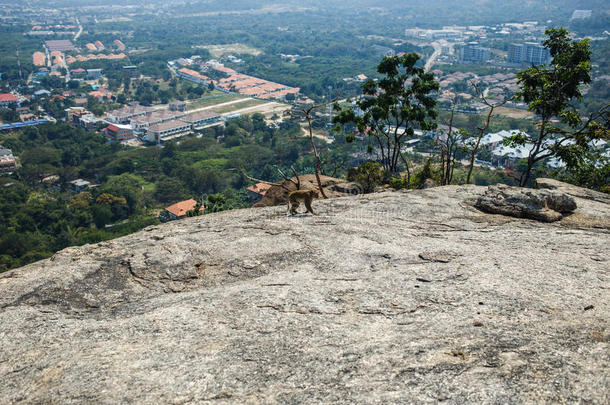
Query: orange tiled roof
{"points": [[117, 56], [38, 58], [260, 188], [8, 97], [180, 209], [251, 91], [224, 69], [271, 86]]}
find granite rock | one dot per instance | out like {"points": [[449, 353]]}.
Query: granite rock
{"points": [[542, 205], [393, 297]]}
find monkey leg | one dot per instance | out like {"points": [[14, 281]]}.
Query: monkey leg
{"points": [[308, 206], [294, 207]]}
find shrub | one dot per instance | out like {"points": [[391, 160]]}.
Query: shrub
{"points": [[370, 175]]}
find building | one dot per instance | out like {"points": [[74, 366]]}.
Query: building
{"points": [[508, 156], [41, 93], [258, 190], [8, 162], [120, 45], [179, 210], [201, 118], [141, 124], [496, 139], [19, 125], [581, 14], [39, 59], [80, 101], [132, 70], [193, 76], [81, 117], [94, 74], [42, 72], [62, 45], [529, 52], [88, 121], [74, 111], [79, 185], [472, 52], [101, 95], [99, 45], [80, 72], [158, 132], [118, 132], [125, 114], [177, 105], [7, 100]]}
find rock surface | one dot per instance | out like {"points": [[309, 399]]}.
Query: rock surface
{"points": [[384, 298], [542, 205]]}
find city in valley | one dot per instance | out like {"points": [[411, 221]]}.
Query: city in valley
{"points": [[204, 104]]}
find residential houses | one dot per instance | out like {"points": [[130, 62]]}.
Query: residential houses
{"points": [[82, 117], [101, 95], [7, 100], [193, 76], [79, 185], [177, 105], [120, 45], [8, 162], [258, 190], [234, 81], [179, 210], [94, 74]]}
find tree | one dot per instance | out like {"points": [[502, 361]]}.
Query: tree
{"points": [[393, 107], [549, 92], [474, 143], [449, 146]]}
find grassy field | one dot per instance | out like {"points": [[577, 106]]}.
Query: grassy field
{"points": [[514, 113], [230, 49], [216, 97], [240, 106]]}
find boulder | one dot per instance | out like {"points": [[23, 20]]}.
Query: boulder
{"points": [[540, 205]]}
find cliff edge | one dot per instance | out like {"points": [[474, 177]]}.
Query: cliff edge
{"points": [[384, 298]]}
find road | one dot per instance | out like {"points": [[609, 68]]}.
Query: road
{"points": [[437, 52], [47, 55], [80, 29]]}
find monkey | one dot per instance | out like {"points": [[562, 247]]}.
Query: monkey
{"points": [[301, 195]]}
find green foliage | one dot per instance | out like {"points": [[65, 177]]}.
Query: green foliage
{"points": [[427, 171], [370, 174], [549, 91], [393, 107]]}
